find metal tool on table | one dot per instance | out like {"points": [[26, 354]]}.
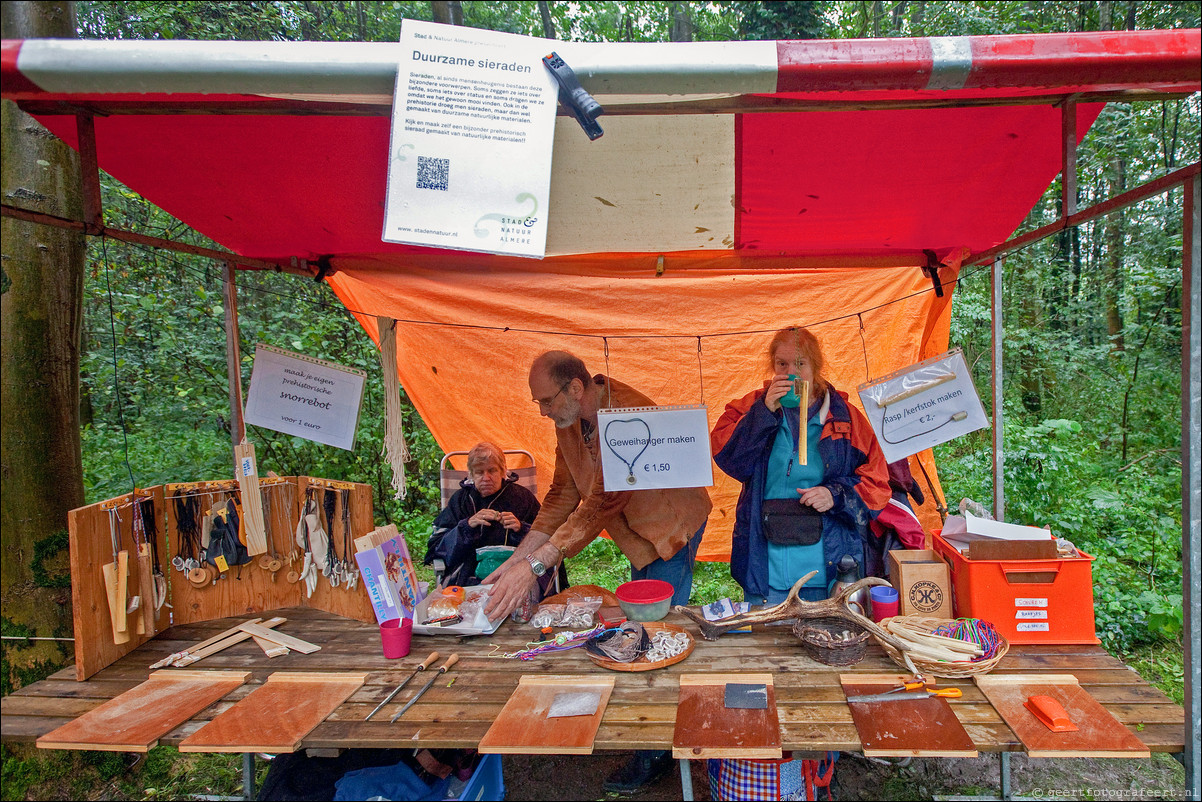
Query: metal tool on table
{"points": [[899, 695], [422, 666], [442, 669]]}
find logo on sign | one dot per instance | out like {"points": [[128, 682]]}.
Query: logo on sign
{"points": [[926, 597]]}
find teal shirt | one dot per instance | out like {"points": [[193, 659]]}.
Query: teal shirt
{"points": [[787, 564]]}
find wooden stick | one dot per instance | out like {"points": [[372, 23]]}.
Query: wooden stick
{"points": [[803, 432], [119, 610], [247, 473], [302, 646], [146, 589], [109, 572], [199, 654], [166, 661], [271, 649]]}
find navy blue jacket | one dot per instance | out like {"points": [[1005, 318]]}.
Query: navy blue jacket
{"points": [[854, 471]]}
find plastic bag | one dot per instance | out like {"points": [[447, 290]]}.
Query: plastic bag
{"points": [[579, 613]]}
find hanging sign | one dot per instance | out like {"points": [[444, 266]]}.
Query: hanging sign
{"points": [[923, 405], [646, 448], [306, 397], [473, 124]]}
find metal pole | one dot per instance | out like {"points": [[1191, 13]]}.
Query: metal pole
{"points": [[233, 353], [1191, 476], [1004, 774], [995, 381], [248, 775], [686, 780]]}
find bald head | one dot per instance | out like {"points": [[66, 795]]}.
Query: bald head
{"points": [[560, 367]]}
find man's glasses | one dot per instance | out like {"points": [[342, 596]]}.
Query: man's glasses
{"points": [[545, 403]]}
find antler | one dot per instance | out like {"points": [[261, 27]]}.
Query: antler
{"points": [[794, 607]]}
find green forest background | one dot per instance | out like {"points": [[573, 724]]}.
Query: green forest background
{"points": [[1092, 346]]}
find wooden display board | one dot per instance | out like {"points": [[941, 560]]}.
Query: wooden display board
{"points": [[90, 548], [242, 590], [1098, 733], [904, 728], [277, 715], [706, 727], [135, 720], [524, 728]]}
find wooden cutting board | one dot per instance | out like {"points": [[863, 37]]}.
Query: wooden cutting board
{"points": [[706, 728], [904, 728], [277, 715], [524, 728], [135, 720], [1098, 733]]}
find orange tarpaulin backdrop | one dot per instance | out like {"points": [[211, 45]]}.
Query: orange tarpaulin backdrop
{"points": [[469, 384]]}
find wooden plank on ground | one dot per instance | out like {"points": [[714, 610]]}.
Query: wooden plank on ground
{"points": [[277, 715], [523, 726], [1098, 733], [283, 639], [705, 727], [135, 720]]}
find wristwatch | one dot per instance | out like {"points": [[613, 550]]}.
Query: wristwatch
{"points": [[536, 565]]}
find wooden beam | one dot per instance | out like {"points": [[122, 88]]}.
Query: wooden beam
{"points": [[89, 172], [1068, 161], [233, 356], [134, 238]]}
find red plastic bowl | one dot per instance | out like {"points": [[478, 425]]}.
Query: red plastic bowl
{"points": [[645, 599]]}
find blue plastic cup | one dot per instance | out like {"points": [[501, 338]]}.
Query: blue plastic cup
{"points": [[791, 399]]}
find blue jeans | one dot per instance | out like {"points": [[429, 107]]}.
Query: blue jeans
{"points": [[677, 571]]}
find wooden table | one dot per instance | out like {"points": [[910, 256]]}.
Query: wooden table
{"points": [[641, 712]]}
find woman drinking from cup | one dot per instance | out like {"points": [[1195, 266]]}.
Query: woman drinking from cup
{"points": [[806, 500]]}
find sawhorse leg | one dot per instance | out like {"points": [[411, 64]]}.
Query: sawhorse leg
{"points": [[686, 780]]}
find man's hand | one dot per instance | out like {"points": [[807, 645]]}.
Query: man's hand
{"points": [[818, 497], [513, 580]]}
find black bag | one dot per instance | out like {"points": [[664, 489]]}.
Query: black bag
{"points": [[788, 522]]}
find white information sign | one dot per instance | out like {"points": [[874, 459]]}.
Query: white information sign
{"points": [[645, 448], [310, 398], [923, 405], [473, 124]]}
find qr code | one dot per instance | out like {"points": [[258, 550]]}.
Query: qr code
{"points": [[433, 173]]}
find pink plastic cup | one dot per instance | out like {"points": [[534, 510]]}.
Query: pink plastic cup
{"points": [[395, 635], [885, 603]]}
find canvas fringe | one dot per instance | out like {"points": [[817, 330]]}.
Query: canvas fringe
{"points": [[395, 450]]}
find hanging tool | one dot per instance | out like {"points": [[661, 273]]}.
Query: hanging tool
{"points": [[895, 696], [115, 581], [442, 669], [422, 666]]}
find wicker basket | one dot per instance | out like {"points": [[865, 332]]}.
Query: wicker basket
{"points": [[941, 668], [818, 640]]}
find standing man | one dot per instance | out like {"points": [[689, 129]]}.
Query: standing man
{"points": [[659, 531]]}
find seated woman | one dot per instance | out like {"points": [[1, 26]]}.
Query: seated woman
{"points": [[490, 508], [794, 518]]}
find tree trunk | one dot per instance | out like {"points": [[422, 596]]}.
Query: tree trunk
{"points": [[917, 16], [448, 12], [544, 11], [682, 23], [42, 317], [1112, 275]]}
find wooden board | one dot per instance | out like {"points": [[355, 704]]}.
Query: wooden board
{"points": [[641, 663], [246, 471], [911, 727], [277, 715], [1099, 734], [706, 728], [340, 601], [523, 726], [90, 547], [135, 720]]}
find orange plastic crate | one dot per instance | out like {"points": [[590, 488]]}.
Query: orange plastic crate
{"points": [[1028, 601]]}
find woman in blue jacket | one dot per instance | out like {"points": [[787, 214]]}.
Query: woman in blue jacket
{"points": [[816, 512]]}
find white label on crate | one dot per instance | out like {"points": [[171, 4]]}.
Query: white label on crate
{"points": [[1032, 626], [1030, 602], [1031, 614]]}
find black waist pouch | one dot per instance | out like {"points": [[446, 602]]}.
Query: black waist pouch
{"points": [[788, 522]]}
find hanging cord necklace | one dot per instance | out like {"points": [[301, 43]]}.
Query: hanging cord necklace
{"points": [[152, 536], [562, 642], [349, 574]]}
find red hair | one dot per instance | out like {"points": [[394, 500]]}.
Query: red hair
{"points": [[808, 347]]}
